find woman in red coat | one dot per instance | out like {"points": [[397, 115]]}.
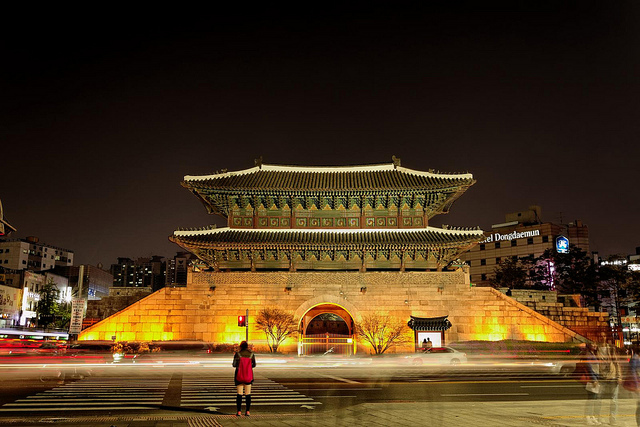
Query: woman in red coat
{"points": [[244, 361]]}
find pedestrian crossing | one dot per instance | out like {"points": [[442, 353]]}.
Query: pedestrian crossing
{"points": [[95, 394], [216, 392], [107, 394]]}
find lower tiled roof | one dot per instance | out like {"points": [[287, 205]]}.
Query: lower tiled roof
{"points": [[421, 237]]}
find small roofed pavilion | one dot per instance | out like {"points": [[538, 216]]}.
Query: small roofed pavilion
{"points": [[424, 327]]}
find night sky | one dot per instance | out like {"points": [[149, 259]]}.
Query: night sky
{"points": [[101, 116]]}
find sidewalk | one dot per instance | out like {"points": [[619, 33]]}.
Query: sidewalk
{"points": [[561, 413], [509, 414]]}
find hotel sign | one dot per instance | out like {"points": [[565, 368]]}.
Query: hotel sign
{"points": [[562, 245], [497, 237]]}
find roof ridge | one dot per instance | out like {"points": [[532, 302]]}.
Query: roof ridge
{"points": [[383, 167]]}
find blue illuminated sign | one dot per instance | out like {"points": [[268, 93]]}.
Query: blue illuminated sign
{"points": [[562, 245]]}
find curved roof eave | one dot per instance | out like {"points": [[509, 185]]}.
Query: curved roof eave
{"points": [[215, 230], [325, 169]]}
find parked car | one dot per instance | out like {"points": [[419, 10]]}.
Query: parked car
{"points": [[27, 347], [175, 351], [91, 351], [439, 356], [49, 348]]}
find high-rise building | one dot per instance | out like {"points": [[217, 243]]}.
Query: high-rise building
{"points": [[177, 268], [141, 273], [30, 254], [523, 234]]}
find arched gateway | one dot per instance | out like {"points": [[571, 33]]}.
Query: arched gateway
{"points": [[326, 328], [326, 322]]}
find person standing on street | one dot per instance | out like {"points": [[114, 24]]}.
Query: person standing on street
{"points": [[634, 362], [244, 361], [611, 378], [592, 407]]}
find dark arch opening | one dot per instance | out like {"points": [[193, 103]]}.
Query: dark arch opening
{"points": [[327, 323]]}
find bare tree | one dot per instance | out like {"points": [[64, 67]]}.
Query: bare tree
{"points": [[277, 324], [382, 331]]}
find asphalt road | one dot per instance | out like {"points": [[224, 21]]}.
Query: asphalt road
{"points": [[280, 386]]}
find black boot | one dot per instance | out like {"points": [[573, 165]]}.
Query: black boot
{"points": [[248, 397], [238, 404]]}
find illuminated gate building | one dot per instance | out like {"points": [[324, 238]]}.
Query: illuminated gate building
{"points": [[329, 245]]}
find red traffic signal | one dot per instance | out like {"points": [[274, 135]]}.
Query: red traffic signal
{"points": [[242, 321]]}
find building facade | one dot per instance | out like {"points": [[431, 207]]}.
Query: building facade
{"points": [[87, 281], [523, 234], [30, 254], [139, 273], [178, 268], [10, 303], [338, 243]]}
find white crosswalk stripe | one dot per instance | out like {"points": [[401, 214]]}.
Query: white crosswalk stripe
{"points": [[95, 394], [221, 392]]}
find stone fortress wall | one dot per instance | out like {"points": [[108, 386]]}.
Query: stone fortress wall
{"points": [[208, 307], [564, 309]]}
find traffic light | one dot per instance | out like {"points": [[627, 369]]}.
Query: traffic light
{"points": [[242, 321]]}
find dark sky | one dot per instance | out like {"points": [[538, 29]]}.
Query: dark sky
{"points": [[101, 117]]}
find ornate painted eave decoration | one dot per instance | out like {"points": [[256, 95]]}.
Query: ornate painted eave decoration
{"points": [[272, 185], [425, 248], [429, 323]]}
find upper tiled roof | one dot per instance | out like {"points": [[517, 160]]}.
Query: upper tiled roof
{"points": [[422, 237], [303, 178]]}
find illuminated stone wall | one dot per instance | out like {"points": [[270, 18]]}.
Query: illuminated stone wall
{"points": [[208, 307]]}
